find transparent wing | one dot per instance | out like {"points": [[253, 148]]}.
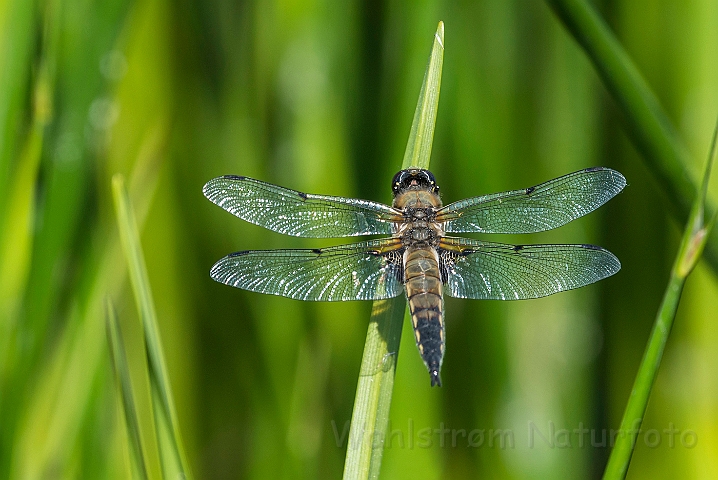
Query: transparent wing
{"points": [[296, 213], [369, 270], [475, 269], [534, 209]]}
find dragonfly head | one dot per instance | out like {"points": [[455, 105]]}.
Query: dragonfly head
{"points": [[414, 179]]}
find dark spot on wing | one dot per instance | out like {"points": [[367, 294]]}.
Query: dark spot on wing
{"points": [[303, 195], [591, 247], [530, 190], [317, 251], [594, 169], [233, 177], [518, 248], [238, 254]]}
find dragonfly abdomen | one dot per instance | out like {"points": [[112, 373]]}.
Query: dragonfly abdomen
{"points": [[426, 304]]}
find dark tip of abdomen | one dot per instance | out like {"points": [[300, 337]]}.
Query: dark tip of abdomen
{"points": [[435, 379]]}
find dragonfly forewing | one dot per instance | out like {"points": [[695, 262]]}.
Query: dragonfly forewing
{"points": [[534, 209], [299, 214]]}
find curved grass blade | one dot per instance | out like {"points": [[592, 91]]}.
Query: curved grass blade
{"points": [[124, 386], [694, 239], [370, 416], [174, 462], [648, 124]]}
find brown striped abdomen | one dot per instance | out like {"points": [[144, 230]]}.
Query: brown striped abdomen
{"points": [[426, 304]]}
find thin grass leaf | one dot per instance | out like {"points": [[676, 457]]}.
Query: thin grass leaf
{"points": [[124, 386], [648, 124], [19, 169], [694, 238], [174, 461], [17, 234], [421, 137], [52, 419], [376, 378], [18, 30]]}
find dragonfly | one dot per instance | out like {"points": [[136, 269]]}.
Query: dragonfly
{"points": [[417, 258]]}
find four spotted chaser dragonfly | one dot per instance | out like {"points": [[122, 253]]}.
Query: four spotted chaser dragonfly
{"points": [[418, 258]]}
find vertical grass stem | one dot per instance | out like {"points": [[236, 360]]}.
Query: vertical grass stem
{"points": [[376, 380], [692, 243]]}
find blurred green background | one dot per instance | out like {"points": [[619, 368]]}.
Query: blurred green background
{"points": [[319, 96]]}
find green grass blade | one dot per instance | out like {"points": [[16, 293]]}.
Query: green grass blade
{"points": [[16, 243], [648, 124], [376, 379], [373, 398], [421, 137], [18, 32], [174, 461], [19, 172], [124, 386], [692, 243], [16, 236], [51, 420]]}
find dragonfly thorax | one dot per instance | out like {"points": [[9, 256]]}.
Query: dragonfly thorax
{"points": [[418, 226], [421, 236], [419, 214]]}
